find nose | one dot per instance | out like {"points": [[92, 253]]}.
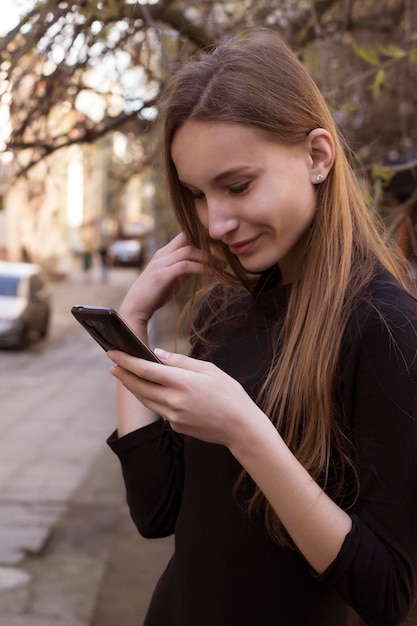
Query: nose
{"points": [[221, 221]]}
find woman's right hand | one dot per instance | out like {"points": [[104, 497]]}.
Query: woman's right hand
{"points": [[165, 273]]}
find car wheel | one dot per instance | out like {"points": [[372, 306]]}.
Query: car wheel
{"points": [[141, 262], [45, 328], [23, 340]]}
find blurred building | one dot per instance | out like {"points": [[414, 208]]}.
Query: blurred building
{"points": [[67, 205]]}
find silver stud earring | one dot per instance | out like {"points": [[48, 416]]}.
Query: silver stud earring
{"points": [[319, 177]]}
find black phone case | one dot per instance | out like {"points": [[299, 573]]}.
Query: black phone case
{"points": [[111, 332]]}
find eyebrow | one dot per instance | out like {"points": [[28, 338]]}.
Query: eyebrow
{"points": [[239, 169], [230, 172]]}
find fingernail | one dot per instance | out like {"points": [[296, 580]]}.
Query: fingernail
{"points": [[161, 354]]}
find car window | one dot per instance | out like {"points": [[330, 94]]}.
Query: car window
{"points": [[8, 285]]}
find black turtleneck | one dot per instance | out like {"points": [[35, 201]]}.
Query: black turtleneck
{"points": [[226, 571]]}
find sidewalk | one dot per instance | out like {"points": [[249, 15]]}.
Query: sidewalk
{"points": [[69, 554]]}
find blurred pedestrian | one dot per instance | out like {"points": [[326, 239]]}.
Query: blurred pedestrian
{"points": [[87, 261], [103, 252]]}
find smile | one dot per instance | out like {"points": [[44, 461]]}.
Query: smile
{"points": [[243, 247]]}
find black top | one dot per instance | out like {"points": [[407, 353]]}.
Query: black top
{"points": [[227, 571]]}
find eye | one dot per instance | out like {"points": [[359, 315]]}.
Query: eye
{"points": [[196, 196], [241, 188]]}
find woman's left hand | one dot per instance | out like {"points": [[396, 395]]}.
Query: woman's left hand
{"points": [[196, 397]]}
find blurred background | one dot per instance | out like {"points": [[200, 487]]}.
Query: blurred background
{"points": [[79, 82], [83, 207]]}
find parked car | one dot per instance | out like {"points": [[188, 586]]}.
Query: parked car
{"points": [[25, 304], [125, 252]]}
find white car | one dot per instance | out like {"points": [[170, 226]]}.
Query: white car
{"points": [[25, 304], [126, 252]]}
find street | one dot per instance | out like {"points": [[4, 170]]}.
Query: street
{"points": [[65, 535]]}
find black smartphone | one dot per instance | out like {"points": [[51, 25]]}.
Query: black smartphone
{"points": [[110, 331]]}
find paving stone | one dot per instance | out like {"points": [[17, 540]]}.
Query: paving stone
{"points": [[29, 620], [65, 585], [11, 577], [17, 541]]}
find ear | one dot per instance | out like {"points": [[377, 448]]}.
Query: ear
{"points": [[322, 153]]}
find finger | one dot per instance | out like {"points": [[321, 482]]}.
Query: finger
{"points": [[169, 273], [180, 361], [154, 372], [178, 241], [181, 239], [141, 368], [181, 253], [147, 392], [152, 395], [179, 249]]}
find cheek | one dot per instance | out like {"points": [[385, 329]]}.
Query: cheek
{"points": [[311, 206], [303, 219], [296, 215], [305, 201]]}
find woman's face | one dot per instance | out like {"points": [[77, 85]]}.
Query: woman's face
{"points": [[254, 195]]}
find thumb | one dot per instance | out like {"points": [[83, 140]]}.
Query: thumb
{"points": [[179, 360]]}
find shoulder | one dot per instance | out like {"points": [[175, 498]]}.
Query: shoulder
{"points": [[385, 301], [383, 323]]}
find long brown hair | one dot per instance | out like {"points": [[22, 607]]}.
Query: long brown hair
{"points": [[258, 81]]}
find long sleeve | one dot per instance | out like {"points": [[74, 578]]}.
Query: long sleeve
{"points": [[153, 471], [375, 571]]}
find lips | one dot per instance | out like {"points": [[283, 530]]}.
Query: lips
{"points": [[242, 247]]}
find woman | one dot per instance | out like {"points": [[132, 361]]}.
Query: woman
{"points": [[285, 458]]}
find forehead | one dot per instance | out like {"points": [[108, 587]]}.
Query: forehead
{"points": [[204, 150], [193, 132], [215, 145]]}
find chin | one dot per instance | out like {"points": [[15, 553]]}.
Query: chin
{"points": [[257, 267]]}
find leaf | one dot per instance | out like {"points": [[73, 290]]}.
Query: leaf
{"points": [[378, 82], [366, 53], [393, 52], [348, 107], [413, 55], [379, 171]]}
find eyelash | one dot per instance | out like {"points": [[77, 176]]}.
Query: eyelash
{"points": [[239, 188], [197, 196], [232, 190]]}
